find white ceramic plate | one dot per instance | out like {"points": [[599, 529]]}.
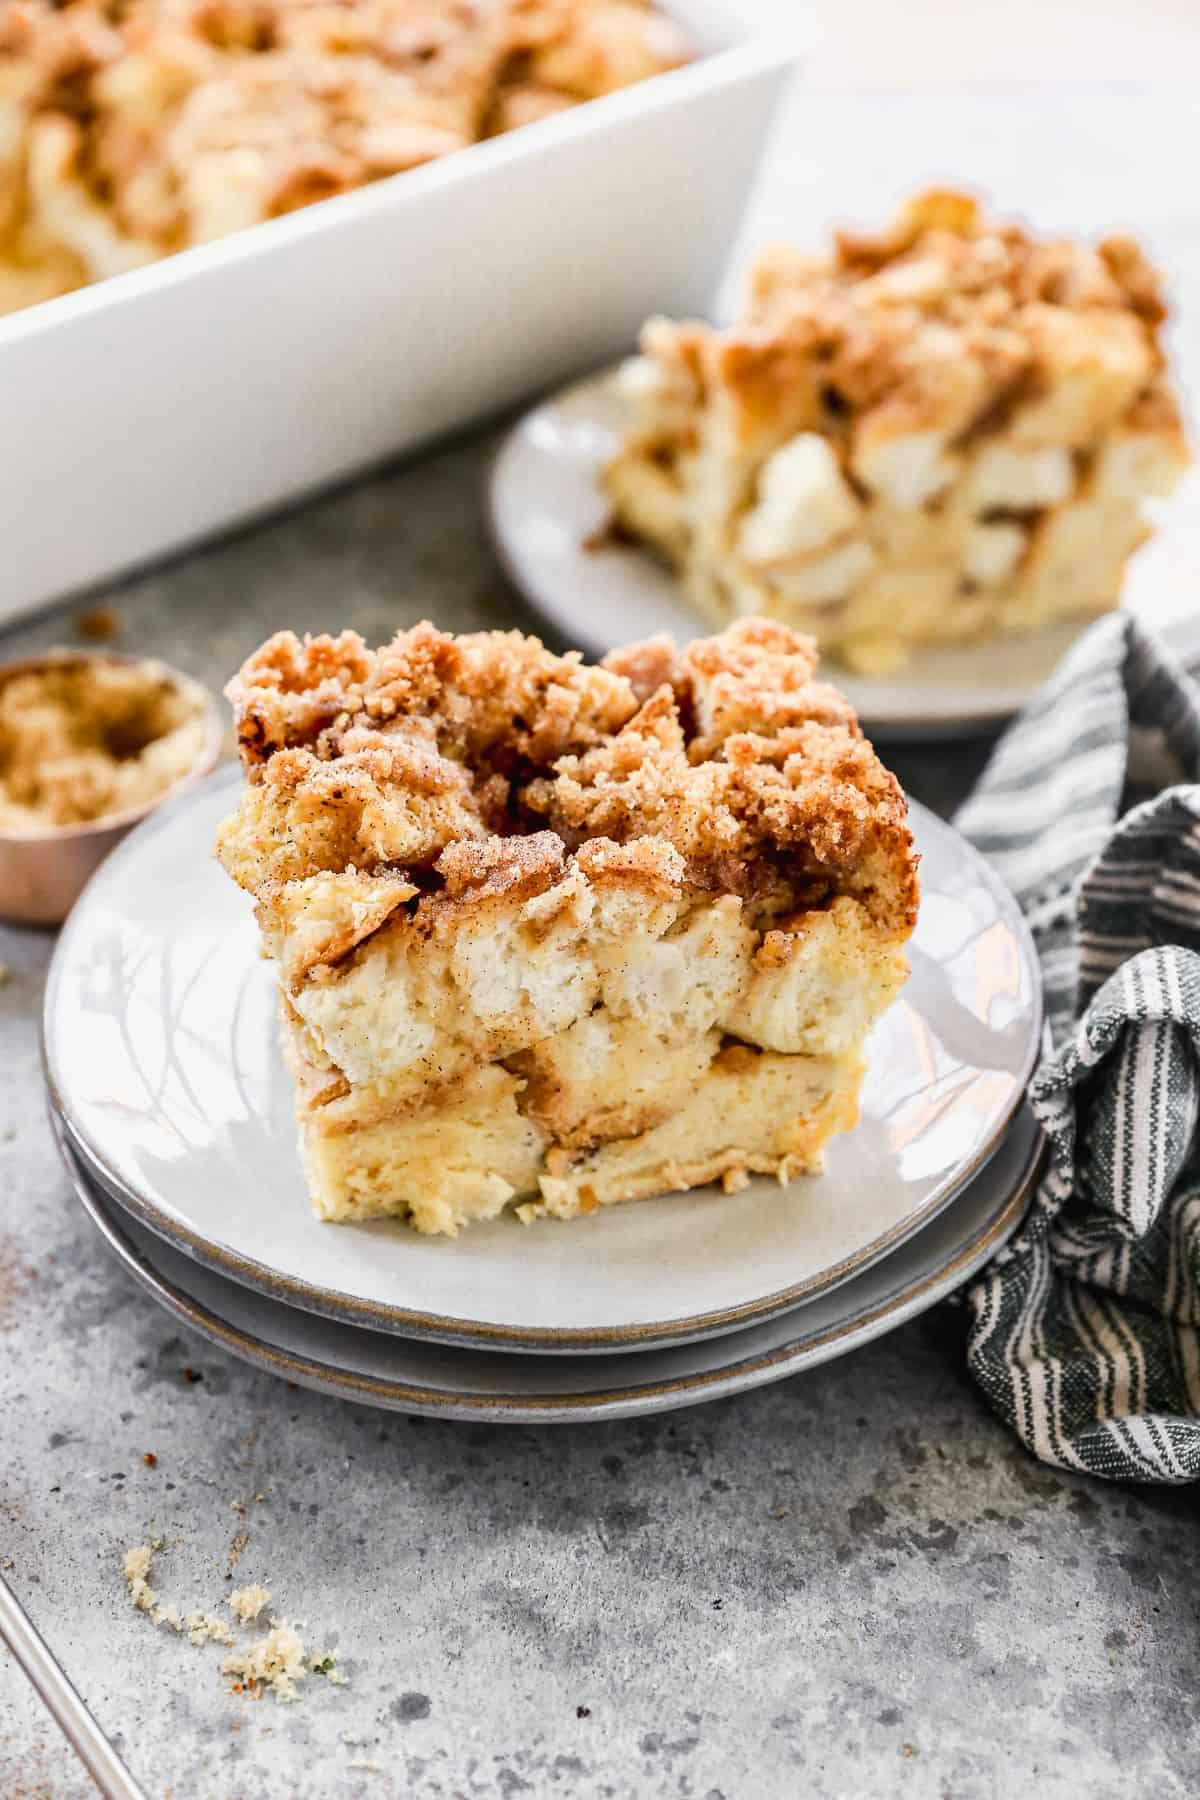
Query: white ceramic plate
{"points": [[545, 508], [161, 1055], [381, 1369]]}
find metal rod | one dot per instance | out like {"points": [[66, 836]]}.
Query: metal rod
{"points": [[76, 1722]]}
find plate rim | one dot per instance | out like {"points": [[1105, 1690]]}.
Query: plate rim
{"points": [[455, 1330], [738, 1376], [983, 722]]}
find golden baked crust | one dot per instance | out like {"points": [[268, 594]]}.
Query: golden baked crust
{"points": [[755, 773], [564, 935], [133, 128], [831, 459]]}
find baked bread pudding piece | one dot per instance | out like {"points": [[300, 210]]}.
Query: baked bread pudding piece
{"points": [[933, 435], [133, 128], [560, 935]]}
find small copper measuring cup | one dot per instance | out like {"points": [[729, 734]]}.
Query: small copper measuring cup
{"points": [[42, 872]]}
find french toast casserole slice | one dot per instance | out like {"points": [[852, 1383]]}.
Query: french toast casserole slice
{"points": [[558, 935], [933, 435]]}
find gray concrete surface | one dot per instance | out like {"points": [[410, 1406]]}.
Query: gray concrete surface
{"points": [[852, 1583]]}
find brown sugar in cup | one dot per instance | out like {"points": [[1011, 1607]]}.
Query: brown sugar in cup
{"points": [[90, 743]]}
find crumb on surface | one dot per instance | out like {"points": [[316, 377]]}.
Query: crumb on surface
{"points": [[137, 1570], [248, 1602], [206, 1628], [99, 624], [277, 1662]]}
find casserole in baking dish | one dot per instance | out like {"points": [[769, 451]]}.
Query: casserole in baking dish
{"points": [[145, 411]]}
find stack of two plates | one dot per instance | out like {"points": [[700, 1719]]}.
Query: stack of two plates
{"points": [[174, 1115]]}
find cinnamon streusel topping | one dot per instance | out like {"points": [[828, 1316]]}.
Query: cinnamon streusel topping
{"points": [[448, 757], [934, 322]]}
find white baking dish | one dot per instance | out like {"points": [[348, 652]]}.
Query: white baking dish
{"points": [[149, 410]]}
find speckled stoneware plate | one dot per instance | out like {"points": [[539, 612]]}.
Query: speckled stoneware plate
{"points": [[380, 1369], [162, 1059], [546, 508]]}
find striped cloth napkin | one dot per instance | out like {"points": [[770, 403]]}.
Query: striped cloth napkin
{"points": [[1085, 1333]]}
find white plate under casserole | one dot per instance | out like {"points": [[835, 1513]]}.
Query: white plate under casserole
{"points": [[150, 410], [163, 1065], [410, 1375], [547, 517]]}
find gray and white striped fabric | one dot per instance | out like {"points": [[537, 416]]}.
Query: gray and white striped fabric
{"points": [[1085, 1333]]}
